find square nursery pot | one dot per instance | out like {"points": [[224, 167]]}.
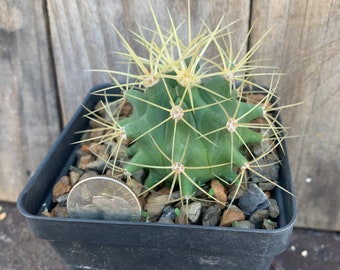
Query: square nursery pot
{"points": [[100, 244]]}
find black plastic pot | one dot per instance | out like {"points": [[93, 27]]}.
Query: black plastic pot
{"points": [[98, 244]]}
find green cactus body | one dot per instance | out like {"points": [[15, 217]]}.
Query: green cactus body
{"points": [[190, 123], [197, 146]]}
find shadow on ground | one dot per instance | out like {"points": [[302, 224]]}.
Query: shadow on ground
{"points": [[21, 250]]}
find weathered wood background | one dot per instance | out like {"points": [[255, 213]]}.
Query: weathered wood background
{"points": [[48, 46]]}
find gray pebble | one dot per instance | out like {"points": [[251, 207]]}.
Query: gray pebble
{"points": [[87, 174], [268, 224], [62, 200], [165, 220], [269, 170], [258, 216], [98, 165], [253, 199], [76, 170], [259, 148], [60, 211], [244, 224], [74, 177], [169, 211], [274, 210], [267, 186], [212, 215], [194, 211]]}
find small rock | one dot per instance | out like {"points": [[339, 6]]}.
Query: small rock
{"points": [[59, 189], [96, 134], [126, 110], [194, 211], [255, 98], [46, 214], [265, 146], [142, 201], [169, 211], [84, 160], [100, 109], [268, 224], [212, 215], [175, 195], [76, 170], [99, 150], [304, 253], [116, 174], [168, 215], [98, 165], [59, 211], [202, 193], [233, 213], [84, 150], [253, 199], [274, 210], [74, 177], [267, 186], [110, 173], [258, 216], [182, 217], [165, 220], [136, 186], [164, 190], [84, 140], [244, 224], [112, 149], [65, 179], [87, 174], [220, 191], [268, 168], [62, 200], [94, 124], [3, 216], [98, 160], [232, 194], [256, 149], [155, 203], [268, 194], [111, 107], [122, 151]]}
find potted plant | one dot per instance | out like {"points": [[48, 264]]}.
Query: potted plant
{"points": [[195, 119]]}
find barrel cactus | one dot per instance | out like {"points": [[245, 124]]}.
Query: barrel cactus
{"points": [[192, 120]]}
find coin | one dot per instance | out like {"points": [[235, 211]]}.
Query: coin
{"points": [[101, 197]]}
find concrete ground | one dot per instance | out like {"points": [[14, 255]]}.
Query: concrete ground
{"points": [[21, 250]]}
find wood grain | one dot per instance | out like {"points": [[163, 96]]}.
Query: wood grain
{"points": [[28, 106], [305, 44], [52, 45], [83, 37]]}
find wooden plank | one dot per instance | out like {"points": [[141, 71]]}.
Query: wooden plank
{"points": [[80, 43], [305, 44], [83, 37], [28, 106]]}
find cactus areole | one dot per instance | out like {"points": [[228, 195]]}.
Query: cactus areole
{"points": [[189, 134], [191, 121]]}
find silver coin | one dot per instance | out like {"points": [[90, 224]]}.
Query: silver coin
{"points": [[101, 197]]}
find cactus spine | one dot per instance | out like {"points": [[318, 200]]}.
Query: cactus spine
{"points": [[190, 122]]}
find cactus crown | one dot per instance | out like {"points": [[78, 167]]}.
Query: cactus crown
{"points": [[191, 119]]}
